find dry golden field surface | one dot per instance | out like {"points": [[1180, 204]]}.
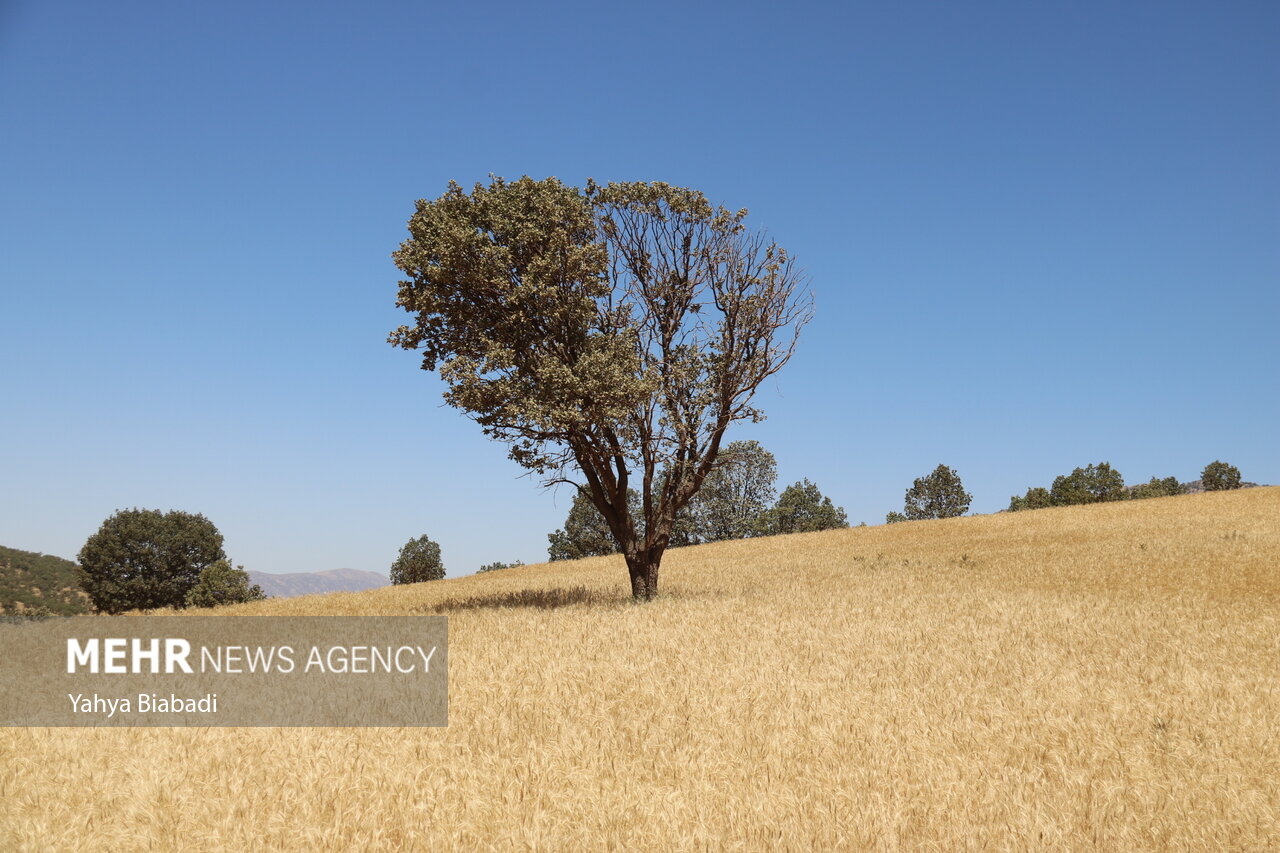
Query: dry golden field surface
{"points": [[1103, 677]]}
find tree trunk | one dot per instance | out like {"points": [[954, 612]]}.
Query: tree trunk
{"points": [[643, 569]]}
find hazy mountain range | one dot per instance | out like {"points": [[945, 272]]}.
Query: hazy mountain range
{"points": [[309, 583]]}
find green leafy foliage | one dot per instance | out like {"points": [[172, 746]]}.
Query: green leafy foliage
{"points": [[733, 503], [1219, 477], [220, 584], [419, 560], [1166, 488], [938, 495], [736, 502], [894, 518], [1037, 497], [802, 508], [736, 495], [497, 566], [1092, 484], [145, 558], [614, 332], [585, 532], [36, 583]]}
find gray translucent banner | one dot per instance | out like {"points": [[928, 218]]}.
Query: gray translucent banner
{"points": [[206, 669]]}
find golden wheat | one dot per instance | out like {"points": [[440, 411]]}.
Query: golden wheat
{"points": [[1096, 677]]}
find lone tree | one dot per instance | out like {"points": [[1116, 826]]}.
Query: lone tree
{"points": [[1157, 488], [419, 561], [223, 584], [141, 559], [1091, 484], [1219, 477], [801, 508], [737, 493], [939, 495], [611, 334]]}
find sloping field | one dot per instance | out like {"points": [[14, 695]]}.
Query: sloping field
{"points": [[1102, 677]]}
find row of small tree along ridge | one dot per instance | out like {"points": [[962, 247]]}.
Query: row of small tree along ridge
{"points": [[736, 502], [1101, 483], [145, 559]]}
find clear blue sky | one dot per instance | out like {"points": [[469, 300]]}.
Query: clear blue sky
{"points": [[1039, 236]]}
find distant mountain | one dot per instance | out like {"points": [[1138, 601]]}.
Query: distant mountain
{"points": [[309, 583], [30, 581]]}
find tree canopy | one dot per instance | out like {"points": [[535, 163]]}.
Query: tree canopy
{"points": [[802, 508], [585, 532], [145, 558], [419, 560], [1091, 484], [938, 495], [1156, 488], [736, 495], [1218, 476], [1037, 497], [609, 336], [220, 584]]}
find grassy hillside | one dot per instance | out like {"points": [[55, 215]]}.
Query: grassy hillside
{"points": [[1100, 677], [29, 580]]}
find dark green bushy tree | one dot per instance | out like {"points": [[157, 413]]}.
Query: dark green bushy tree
{"points": [[736, 495], [894, 518], [939, 495], [1220, 477], [222, 584], [801, 508], [1037, 497], [419, 561], [1168, 487], [1091, 484], [585, 532], [142, 559]]}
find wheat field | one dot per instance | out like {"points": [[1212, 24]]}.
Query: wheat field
{"points": [[1086, 678]]}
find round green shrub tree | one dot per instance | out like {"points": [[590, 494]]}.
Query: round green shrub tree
{"points": [[222, 583], [1156, 488], [802, 508], [419, 561], [142, 559], [939, 495], [1037, 497], [1220, 477], [1091, 484]]}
